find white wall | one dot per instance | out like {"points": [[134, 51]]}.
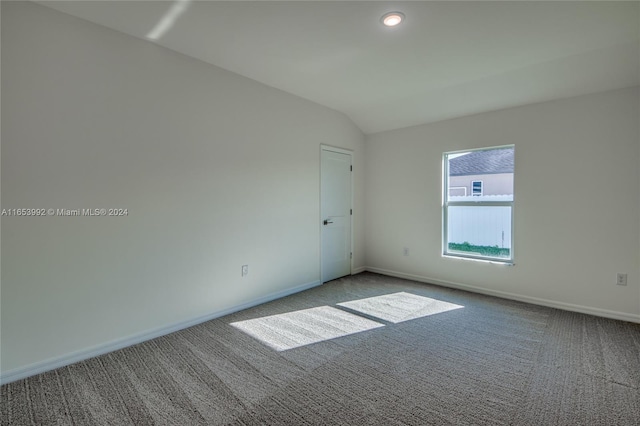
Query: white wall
{"points": [[577, 202], [216, 171]]}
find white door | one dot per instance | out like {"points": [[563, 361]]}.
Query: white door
{"points": [[335, 214]]}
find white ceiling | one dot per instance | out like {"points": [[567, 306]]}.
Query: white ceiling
{"points": [[447, 60]]}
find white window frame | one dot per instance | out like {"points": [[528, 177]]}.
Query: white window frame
{"points": [[446, 203]]}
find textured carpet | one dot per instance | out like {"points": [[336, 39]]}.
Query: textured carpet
{"points": [[456, 358], [398, 307], [304, 327]]}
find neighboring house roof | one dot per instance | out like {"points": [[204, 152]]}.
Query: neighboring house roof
{"points": [[484, 162]]}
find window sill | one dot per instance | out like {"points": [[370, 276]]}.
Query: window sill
{"points": [[474, 259]]}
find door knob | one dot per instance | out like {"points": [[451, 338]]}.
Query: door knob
{"points": [[327, 221]]}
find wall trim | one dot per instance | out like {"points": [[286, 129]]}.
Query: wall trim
{"points": [[511, 296], [358, 270], [101, 349]]}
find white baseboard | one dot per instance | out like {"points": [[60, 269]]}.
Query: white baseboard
{"points": [[512, 296], [358, 270], [73, 357]]}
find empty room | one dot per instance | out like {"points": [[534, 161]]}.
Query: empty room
{"points": [[320, 213]]}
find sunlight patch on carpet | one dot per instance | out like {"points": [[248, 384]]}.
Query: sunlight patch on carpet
{"points": [[399, 307], [294, 329]]}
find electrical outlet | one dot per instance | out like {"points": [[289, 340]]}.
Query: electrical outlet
{"points": [[245, 270], [622, 279], [405, 251]]}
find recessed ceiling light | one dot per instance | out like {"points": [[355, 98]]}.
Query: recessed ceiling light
{"points": [[392, 19]]}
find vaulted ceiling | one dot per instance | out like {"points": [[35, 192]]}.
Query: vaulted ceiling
{"points": [[448, 59]]}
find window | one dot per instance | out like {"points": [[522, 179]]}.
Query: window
{"points": [[476, 187], [478, 221]]}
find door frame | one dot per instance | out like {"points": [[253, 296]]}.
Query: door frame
{"points": [[350, 153]]}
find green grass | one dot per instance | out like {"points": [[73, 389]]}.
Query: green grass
{"points": [[492, 251]]}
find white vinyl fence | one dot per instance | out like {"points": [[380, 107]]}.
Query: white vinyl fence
{"points": [[480, 225]]}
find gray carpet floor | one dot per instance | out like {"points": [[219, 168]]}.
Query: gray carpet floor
{"points": [[453, 358]]}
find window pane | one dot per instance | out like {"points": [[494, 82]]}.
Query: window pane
{"points": [[476, 187], [484, 175], [480, 231]]}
